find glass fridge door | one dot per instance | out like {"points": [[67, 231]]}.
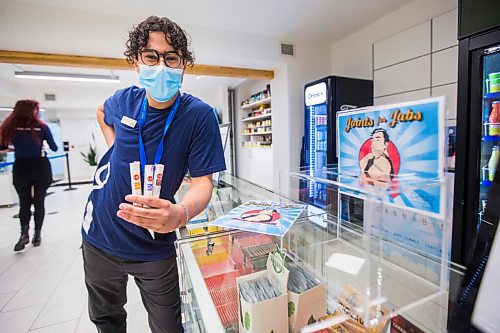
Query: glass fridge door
{"points": [[490, 142], [316, 136]]}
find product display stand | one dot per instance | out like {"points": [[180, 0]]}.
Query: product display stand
{"points": [[257, 120], [368, 273]]}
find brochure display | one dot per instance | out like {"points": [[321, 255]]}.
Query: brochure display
{"points": [[342, 275], [265, 217]]}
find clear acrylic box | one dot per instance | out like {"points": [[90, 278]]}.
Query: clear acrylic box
{"points": [[381, 251]]}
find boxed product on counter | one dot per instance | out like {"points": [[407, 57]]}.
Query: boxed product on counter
{"points": [[325, 320], [347, 319], [306, 298], [263, 298], [349, 302], [222, 289], [250, 251]]}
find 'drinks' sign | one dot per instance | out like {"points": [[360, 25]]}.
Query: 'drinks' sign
{"points": [[398, 148]]}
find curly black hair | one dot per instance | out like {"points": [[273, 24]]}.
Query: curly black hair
{"points": [[175, 36]]}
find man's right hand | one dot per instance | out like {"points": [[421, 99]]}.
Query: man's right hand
{"points": [[107, 131]]}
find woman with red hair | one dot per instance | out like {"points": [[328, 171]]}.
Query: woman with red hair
{"points": [[25, 132]]}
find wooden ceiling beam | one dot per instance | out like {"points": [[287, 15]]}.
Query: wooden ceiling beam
{"points": [[50, 59]]}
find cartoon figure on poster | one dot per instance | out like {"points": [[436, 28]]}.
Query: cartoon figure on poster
{"points": [[379, 159], [266, 216], [393, 146]]}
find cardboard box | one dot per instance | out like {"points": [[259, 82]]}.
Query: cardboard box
{"points": [[306, 308], [352, 299], [270, 315]]}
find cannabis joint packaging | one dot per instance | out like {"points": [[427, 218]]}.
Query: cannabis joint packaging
{"points": [[270, 315]]}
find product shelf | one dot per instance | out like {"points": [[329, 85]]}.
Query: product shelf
{"points": [[256, 147], [248, 134], [251, 134], [255, 104], [263, 126], [258, 117]]}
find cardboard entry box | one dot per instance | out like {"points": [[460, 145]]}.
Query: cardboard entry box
{"points": [[306, 308], [270, 315]]}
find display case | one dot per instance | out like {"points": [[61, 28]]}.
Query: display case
{"points": [[231, 192], [380, 263]]}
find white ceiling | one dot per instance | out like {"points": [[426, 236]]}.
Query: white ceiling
{"points": [[324, 21], [53, 26]]}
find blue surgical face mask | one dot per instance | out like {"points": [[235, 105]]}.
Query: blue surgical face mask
{"points": [[161, 82]]}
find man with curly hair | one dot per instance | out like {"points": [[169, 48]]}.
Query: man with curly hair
{"points": [[134, 235]]}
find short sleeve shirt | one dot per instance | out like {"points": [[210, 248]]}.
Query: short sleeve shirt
{"points": [[192, 143], [27, 146]]}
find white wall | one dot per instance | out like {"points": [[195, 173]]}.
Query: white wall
{"points": [[96, 34], [410, 54], [87, 33], [311, 62], [352, 56], [426, 64], [77, 127]]}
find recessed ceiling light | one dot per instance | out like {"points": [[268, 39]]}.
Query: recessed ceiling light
{"points": [[67, 77]]}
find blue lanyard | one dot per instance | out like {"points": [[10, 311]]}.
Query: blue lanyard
{"points": [[142, 120]]}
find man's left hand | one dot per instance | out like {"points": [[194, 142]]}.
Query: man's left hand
{"points": [[161, 216]]}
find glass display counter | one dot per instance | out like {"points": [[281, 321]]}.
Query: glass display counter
{"points": [[379, 262]]}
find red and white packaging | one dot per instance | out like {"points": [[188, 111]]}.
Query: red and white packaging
{"points": [[148, 180], [157, 180], [135, 178], [135, 182]]}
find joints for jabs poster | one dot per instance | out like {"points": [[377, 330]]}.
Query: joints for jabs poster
{"points": [[396, 148], [265, 217], [399, 150]]}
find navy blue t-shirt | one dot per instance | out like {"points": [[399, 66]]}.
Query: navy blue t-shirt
{"points": [[26, 146], [192, 143]]}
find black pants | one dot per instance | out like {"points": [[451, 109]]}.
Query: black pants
{"points": [[32, 177], [106, 278]]}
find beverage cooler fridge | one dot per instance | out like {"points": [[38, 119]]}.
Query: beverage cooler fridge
{"points": [[322, 99], [478, 136]]}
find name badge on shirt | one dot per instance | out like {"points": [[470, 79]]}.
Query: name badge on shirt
{"points": [[128, 121]]}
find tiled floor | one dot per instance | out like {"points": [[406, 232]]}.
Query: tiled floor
{"points": [[42, 289]]}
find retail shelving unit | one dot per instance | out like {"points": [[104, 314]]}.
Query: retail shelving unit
{"points": [[257, 124], [392, 279]]}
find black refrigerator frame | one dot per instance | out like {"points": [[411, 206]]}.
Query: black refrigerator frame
{"points": [[468, 153], [348, 92], [342, 93]]}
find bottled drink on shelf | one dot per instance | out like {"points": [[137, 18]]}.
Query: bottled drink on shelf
{"points": [[494, 119], [493, 162]]}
